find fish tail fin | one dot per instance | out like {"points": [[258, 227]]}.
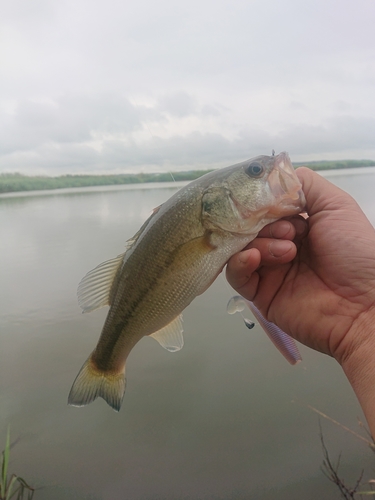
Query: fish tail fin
{"points": [[92, 383]]}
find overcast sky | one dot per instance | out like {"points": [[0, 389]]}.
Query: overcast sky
{"points": [[157, 85]]}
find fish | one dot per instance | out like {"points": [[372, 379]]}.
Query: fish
{"points": [[173, 258], [285, 344]]}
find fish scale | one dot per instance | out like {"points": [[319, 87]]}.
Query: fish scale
{"points": [[175, 256]]}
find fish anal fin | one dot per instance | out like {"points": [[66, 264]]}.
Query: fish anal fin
{"points": [[92, 383], [170, 337]]}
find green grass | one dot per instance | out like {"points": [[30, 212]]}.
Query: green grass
{"points": [[336, 164], [18, 182], [15, 182], [12, 487]]}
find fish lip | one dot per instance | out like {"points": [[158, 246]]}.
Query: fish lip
{"points": [[285, 185], [286, 190]]}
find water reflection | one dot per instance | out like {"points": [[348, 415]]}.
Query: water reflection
{"points": [[215, 420]]}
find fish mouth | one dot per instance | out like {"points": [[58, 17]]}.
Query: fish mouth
{"points": [[285, 187]]}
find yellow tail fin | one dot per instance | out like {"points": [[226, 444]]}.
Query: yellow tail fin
{"points": [[91, 383]]}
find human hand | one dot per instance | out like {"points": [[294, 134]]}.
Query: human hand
{"points": [[326, 294]]}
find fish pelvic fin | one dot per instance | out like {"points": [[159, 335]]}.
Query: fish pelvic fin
{"points": [[170, 337], [92, 383]]}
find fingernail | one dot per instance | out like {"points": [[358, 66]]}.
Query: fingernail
{"points": [[280, 229], [300, 226], [243, 256], [278, 248]]}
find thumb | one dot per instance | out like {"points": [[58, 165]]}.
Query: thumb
{"points": [[321, 195]]}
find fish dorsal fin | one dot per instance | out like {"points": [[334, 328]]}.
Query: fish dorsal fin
{"points": [[94, 289], [170, 337], [134, 239]]}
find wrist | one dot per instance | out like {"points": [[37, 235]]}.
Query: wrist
{"points": [[358, 363]]}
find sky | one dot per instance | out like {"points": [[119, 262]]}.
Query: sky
{"points": [[112, 86]]}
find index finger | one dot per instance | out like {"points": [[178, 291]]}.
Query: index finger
{"points": [[287, 229]]}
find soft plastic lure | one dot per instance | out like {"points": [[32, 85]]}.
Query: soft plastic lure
{"points": [[283, 342]]}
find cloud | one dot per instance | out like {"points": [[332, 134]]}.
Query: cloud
{"points": [[178, 104], [73, 118], [336, 134], [195, 150], [105, 85]]}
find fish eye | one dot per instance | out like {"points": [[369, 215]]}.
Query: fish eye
{"points": [[255, 169]]}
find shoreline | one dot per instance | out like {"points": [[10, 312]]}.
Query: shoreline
{"points": [[154, 185], [94, 189]]}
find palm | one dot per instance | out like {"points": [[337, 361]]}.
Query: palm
{"points": [[317, 297]]}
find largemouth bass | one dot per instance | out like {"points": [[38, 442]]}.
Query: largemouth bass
{"points": [[175, 256]]}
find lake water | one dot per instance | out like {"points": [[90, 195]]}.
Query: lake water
{"points": [[224, 418]]}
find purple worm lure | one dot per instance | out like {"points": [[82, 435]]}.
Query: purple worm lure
{"points": [[283, 342]]}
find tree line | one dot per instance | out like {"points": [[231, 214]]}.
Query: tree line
{"points": [[13, 182]]}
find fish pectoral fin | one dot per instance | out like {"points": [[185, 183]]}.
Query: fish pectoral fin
{"points": [[94, 290], [170, 337], [91, 383]]}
